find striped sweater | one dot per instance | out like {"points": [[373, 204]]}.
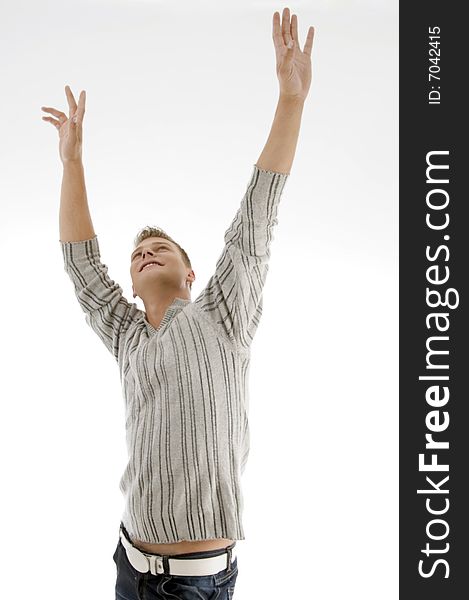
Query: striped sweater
{"points": [[185, 384]]}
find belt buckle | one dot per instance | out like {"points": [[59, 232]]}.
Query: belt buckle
{"points": [[141, 561], [154, 559], [159, 565]]}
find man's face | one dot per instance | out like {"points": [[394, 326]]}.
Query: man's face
{"points": [[170, 272]]}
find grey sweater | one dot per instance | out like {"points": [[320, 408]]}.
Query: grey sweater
{"points": [[185, 384]]}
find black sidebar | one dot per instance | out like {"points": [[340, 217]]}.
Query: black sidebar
{"points": [[433, 262]]}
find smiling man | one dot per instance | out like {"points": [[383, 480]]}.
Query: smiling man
{"points": [[160, 270], [184, 364]]}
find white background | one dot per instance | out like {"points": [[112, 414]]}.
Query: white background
{"points": [[180, 100]]}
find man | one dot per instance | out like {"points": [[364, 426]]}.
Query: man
{"points": [[183, 364]]}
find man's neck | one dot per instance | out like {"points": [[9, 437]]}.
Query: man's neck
{"points": [[156, 308]]}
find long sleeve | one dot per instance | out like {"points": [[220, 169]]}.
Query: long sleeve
{"points": [[106, 310], [232, 297]]}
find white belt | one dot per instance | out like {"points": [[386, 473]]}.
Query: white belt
{"points": [[144, 562]]}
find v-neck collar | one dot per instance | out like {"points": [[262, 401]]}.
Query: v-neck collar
{"points": [[170, 312]]}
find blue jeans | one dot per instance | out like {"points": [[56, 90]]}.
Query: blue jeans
{"points": [[133, 585]]}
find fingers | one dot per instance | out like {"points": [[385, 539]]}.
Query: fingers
{"points": [[57, 113], [81, 107], [53, 121], [288, 30], [286, 25], [76, 112], [309, 41], [294, 30], [62, 117], [276, 32], [72, 105]]}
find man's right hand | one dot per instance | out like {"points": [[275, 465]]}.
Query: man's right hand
{"points": [[70, 129]]}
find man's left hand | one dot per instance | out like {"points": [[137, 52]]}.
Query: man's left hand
{"points": [[293, 65]]}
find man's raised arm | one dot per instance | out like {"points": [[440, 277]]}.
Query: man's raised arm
{"points": [[74, 218], [74, 215], [294, 75], [233, 296], [279, 150], [107, 312]]}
